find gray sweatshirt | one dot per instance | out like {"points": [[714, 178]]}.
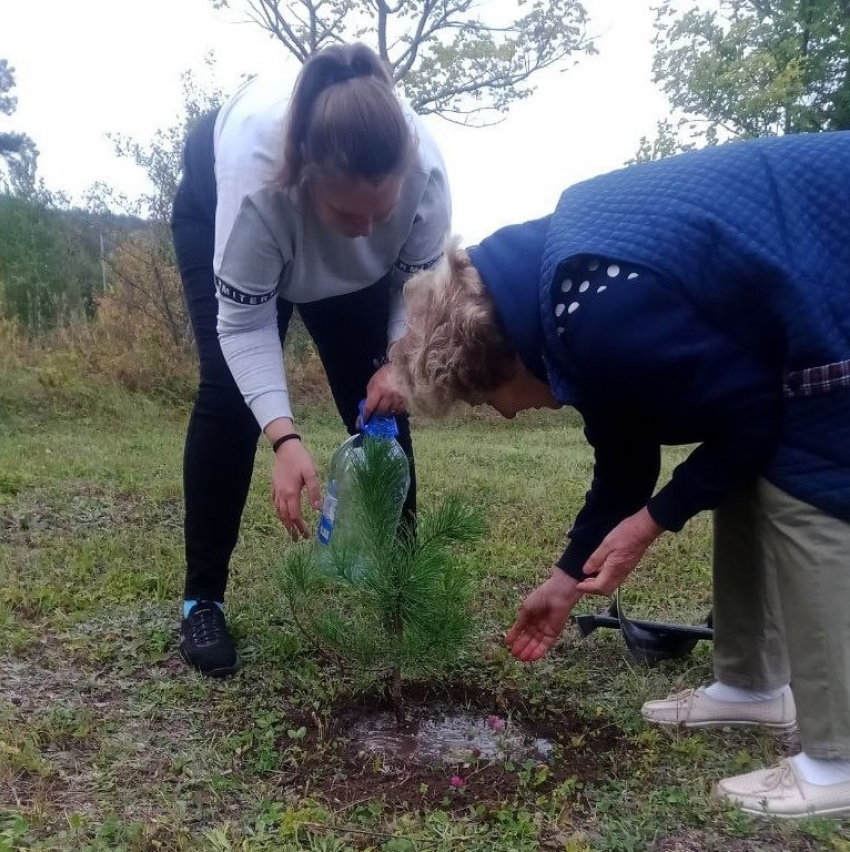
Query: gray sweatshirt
{"points": [[269, 243]]}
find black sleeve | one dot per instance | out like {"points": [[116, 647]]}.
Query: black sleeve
{"points": [[624, 475]]}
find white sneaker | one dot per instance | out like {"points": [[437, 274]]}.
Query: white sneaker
{"points": [[781, 791], [693, 708]]}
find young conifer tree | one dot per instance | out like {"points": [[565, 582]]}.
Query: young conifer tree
{"points": [[391, 605]]}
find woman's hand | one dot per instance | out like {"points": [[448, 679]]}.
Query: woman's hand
{"points": [[542, 616], [383, 394], [294, 471], [619, 554]]}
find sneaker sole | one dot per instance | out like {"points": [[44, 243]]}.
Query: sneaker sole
{"points": [[833, 813], [780, 727], [219, 672], [726, 799]]}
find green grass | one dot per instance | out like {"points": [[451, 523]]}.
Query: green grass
{"points": [[107, 742]]}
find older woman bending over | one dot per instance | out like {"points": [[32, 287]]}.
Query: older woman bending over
{"points": [[703, 299]]}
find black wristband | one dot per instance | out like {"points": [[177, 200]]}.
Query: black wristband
{"points": [[291, 436]]}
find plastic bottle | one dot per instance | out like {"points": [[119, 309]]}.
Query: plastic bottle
{"points": [[338, 524]]}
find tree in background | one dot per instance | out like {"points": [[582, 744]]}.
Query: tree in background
{"points": [[749, 68], [60, 264], [17, 150], [141, 333], [141, 268], [444, 57], [47, 271], [665, 144]]}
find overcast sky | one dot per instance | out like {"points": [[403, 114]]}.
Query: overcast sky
{"points": [[86, 68]]}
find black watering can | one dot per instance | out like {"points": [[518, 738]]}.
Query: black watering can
{"points": [[648, 641]]}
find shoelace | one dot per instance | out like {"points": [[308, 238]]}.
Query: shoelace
{"points": [[681, 696], [782, 775], [207, 624]]}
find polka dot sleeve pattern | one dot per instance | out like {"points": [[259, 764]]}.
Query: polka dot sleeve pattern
{"points": [[585, 279]]}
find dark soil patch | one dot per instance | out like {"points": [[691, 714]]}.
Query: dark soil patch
{"points": [[345, 772], [768, 839], [26, 786]]}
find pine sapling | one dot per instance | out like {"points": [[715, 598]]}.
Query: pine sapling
{"points": [[385, 600]]}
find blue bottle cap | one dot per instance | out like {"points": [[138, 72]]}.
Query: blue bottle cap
{"points": [[379, 425]]}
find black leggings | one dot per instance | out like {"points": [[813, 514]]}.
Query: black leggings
{"points": [[350, 333]]}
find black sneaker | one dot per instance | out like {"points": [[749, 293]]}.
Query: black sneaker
{"points": [[205, 641]]}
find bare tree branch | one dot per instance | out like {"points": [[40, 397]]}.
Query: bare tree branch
{"points": [[408, 58], [447, 58]]}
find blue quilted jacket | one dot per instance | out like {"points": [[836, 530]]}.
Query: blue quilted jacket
{"points": [[756, 236], [734, 333]]}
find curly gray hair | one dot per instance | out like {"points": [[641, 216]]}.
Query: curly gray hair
{"points": [[455, 348]]}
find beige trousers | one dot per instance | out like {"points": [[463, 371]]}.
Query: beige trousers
{"points": [[782, 608]]}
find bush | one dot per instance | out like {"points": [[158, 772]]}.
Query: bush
{"points": [[49, 270], [140, 334]]}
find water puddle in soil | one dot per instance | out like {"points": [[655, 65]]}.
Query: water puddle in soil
{"points": [[447, 737]]}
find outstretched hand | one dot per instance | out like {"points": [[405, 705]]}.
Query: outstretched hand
{"points": [[542, 616], [294, 472], [619, 554]]}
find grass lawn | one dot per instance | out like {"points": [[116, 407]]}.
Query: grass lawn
{"points": [[107, 742]]}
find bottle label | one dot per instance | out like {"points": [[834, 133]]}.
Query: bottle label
{"points": [[326, 524]]}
